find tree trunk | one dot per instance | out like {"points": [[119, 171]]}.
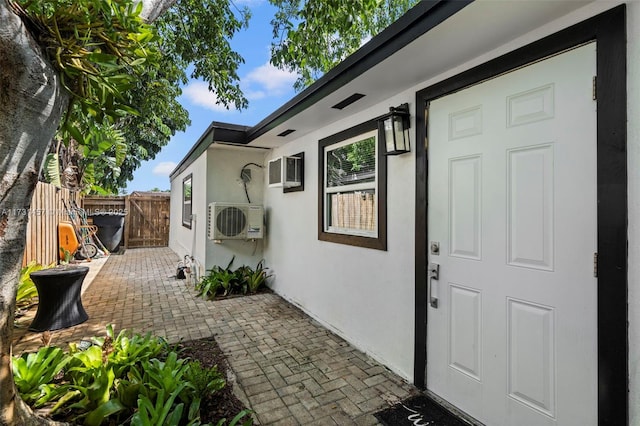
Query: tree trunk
{"points": [[32, 103], [31, 107]]}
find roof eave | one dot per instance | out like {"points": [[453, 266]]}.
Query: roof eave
{"points": [[220, 132], [420, 19]]}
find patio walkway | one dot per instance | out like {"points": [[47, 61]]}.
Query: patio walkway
{"points": [[289, 369]]}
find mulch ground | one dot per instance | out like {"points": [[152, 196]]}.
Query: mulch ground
{"points": [[222, 404]]}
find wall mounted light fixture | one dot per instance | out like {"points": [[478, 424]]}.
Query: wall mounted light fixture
{"points": [[394, 130]]}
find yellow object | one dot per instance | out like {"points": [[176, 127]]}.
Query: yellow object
{"points": [[67, 239]]}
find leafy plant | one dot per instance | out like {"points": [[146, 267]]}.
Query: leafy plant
{"points": [[34, 370], [97, 45], [208, 287], [162, 412], [237, 419], [125, 350], [217, 279], [256, 278], [204, 380], [26, 288], [123, 379], [224, 282], [93, 387], [66, 255], [87, 389], [226, 279], [51, 170]]}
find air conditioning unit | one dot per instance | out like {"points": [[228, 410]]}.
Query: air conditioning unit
{"points": [[285, 172], [235, 221]]}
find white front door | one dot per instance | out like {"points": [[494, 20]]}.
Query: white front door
{"points": [[512, 226]]}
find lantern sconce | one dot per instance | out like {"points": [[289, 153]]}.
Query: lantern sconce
{"points": [[394, 130]]}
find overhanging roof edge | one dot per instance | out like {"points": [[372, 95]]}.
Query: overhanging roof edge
{"points": [[223, 132], [420, 19]]}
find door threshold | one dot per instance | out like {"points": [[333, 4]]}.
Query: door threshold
{"points": [[453, 409]]}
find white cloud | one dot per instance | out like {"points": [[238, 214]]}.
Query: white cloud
{"points": [[260, 83], [164, 168], [255, 95], [197, 92], [267, 80]]}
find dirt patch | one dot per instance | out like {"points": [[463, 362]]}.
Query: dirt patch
{"points": [[222, 404]]}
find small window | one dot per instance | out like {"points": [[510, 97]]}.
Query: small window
{"points": [[353, 176], [186, 201]]}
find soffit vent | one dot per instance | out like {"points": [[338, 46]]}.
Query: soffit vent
{"points": [[348, 101], [286, 132]]}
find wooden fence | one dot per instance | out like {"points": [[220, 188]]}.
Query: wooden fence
{"points": [[47, 210], [146, 222], [353, 210]]}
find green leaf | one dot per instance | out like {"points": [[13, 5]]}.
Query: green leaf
{"points": [[26, 288], [242, 414], [34, 369], [69, 395], [128, 393], [75, 133], [52, 170], [100, 414], [175, 416]]}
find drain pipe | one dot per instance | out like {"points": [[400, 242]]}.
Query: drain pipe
{"points": [[195, 268]]}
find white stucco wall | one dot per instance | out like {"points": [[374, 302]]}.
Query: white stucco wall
{"points": [[363, 294], [224, 185], [183, 240]]}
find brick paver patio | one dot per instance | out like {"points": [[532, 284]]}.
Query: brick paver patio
{"points": [[288, 368]]}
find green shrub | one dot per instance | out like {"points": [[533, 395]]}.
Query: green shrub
{"points": [[34, 370], [124, 379], [225, 281], [256, 278]]}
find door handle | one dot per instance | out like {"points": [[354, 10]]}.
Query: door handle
{"points": [[434, 274]]}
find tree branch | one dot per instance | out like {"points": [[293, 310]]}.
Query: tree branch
{"points": [[152, 9]]}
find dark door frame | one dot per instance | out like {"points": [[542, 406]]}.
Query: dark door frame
{"points": [[609, 31]]}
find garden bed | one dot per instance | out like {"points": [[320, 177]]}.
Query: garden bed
{"points": [[223, 404], [130, 379]]}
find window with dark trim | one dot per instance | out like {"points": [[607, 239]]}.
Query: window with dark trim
{"points": [[186, 201], [352, 188]]}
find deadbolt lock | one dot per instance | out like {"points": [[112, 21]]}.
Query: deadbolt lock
{"points": [[435, 248]]}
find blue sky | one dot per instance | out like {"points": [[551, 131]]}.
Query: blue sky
{"points": [[264, 86]]}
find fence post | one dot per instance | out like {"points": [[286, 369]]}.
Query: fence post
{"points": [[127, 221]]}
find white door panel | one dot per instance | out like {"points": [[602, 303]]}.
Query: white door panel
{"points": [[512, 202]]}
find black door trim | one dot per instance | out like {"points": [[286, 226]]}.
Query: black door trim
{"points": [[609, 30]]}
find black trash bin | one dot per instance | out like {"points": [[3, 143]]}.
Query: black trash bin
{"points": [[110, 227]]}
